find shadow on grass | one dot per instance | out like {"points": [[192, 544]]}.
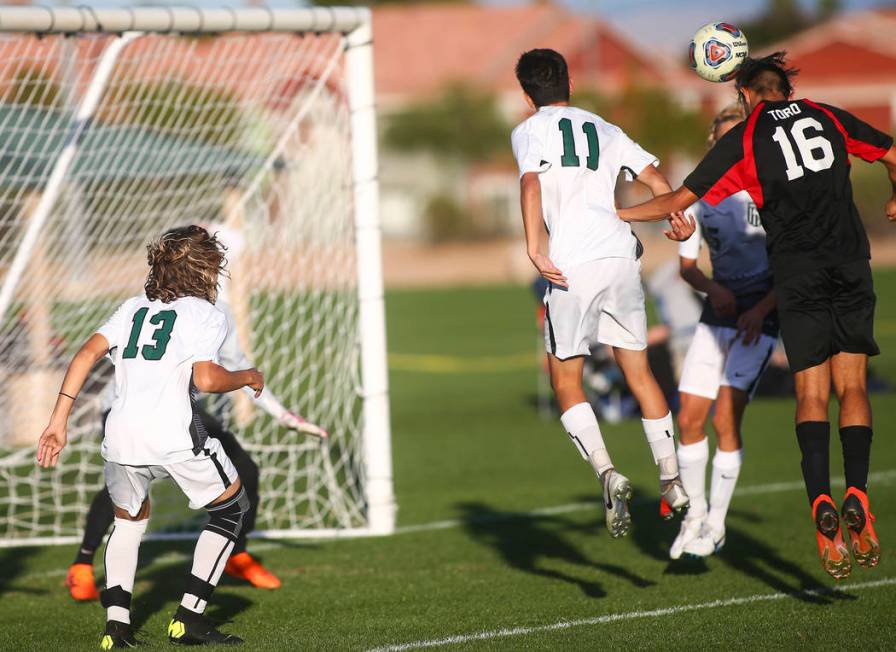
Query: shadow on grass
{"points": [[527, 542], [166, 586], [744, 551], [14, 562]]}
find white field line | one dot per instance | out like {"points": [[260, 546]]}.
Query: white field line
{"points": [[878, 477], [630, 615]]}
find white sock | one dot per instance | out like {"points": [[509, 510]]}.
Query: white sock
{"points": [[692, 460], [581, 426], [660, 437], [725, 469], [120, 560], [212, 551]]}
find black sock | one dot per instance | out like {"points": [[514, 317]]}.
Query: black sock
{"points": [[856, 442], [815, 441], [99, 519]]}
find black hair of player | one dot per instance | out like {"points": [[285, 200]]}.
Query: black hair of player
{"points": [[750, 74], [544, 76]]}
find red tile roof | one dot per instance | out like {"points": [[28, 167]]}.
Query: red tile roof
{"points": [[421, 48]]}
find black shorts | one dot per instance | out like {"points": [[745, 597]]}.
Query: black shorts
{"points": [[827, 311]]}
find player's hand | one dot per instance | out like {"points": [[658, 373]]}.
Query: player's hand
{"points": [[548, 270], [50, 445], [749, 325], [295, 422], [255, 381], [891, 209], [723, 301], [681, 228]]}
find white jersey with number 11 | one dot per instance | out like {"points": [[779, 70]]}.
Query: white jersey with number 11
{"points": [[578, 156]]}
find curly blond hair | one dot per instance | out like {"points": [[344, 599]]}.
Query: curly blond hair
{"points": [[184, 262], [731, 113]]}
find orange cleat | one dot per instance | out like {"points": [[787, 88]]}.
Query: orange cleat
{"points": [[244, 567], [859, 519], [831, 549], [80, 582]]}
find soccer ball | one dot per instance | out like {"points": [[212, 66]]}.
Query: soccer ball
{"points": [[717, 50]]}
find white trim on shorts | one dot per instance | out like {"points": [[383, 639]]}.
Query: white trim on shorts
{"points": [[202, 478], [718, 358]]}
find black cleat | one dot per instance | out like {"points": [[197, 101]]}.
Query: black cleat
{"points": [[190, 628], [118, 635]]}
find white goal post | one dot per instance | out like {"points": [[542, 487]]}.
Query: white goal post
{"points": [[117, 124]]}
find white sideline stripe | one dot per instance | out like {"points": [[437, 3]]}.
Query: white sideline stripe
{"points": [[882, 477], [630, 615]]}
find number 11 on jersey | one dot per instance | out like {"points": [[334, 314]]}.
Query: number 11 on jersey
{"points": [[570, 159]]}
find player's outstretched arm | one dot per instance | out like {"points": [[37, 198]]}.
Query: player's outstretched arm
{"points": [[536, 233], [55, 436], [659, 207], [889, 160], [215, 379]]}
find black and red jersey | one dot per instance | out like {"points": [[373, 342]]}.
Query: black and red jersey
{"points": [[793, 159]]}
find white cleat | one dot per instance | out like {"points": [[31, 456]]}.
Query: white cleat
{"points": [[708, 543], [717, 536], [617, 493], [673, 497], [691, 529]]}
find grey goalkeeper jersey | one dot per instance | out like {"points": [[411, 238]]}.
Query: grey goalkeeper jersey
{"points": [[736, 242], [737, 250]]}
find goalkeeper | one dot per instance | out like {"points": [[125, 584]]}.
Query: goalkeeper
{"points": [[241, 565]]}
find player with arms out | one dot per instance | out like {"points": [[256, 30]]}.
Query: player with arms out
{"points": [[569, 160], [731, 348], [792, 157], [164, 344], [241, 564]]}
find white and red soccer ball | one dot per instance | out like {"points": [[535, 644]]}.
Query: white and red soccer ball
{"points": [[717, 50]]}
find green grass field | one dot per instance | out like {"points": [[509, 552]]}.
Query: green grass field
{"points": [[501, 541]]}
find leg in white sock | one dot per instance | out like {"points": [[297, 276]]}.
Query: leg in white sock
{"points": [[582, 428], [659, 434], [692, 461], [213, 548], [121, 565], [725, 470]]}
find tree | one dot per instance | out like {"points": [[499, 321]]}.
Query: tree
{"points": [[780, 19], [367, 3], [463, 123], [828, 8]]}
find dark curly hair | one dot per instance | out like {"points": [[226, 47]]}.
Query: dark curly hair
{"points": [[768, 74], [184, 262]]}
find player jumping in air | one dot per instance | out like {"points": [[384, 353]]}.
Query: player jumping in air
{"points": [[80, 578], [792, 157], [164, 344], [731, 347], [569, 160]]}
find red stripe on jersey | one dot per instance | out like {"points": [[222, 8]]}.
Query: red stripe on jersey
{"points": [[750, 175], [728, 184], [863, 150]]}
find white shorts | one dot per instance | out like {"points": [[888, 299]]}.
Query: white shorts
{"points": [[718, 357], [202, 478], [604, 304]]}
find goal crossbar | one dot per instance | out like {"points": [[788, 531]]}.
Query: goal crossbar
{"points": [[49, 20]]}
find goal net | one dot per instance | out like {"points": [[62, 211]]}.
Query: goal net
{"points": [[118, 125]]}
